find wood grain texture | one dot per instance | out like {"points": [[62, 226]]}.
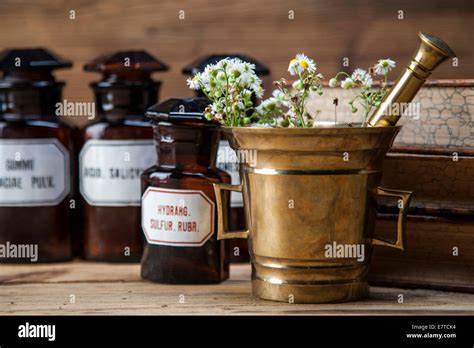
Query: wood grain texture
{"points": [[362, 30], [117, 289]]}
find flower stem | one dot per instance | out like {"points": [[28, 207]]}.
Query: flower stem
{"points": [[227, 99]]}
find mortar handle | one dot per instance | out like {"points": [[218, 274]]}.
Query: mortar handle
{"points": [[222, 213], [405, 196]]}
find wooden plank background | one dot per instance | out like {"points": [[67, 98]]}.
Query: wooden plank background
{"points": [[362, 30]]}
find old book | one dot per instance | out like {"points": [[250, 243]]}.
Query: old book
{"points": [[439, 253]]}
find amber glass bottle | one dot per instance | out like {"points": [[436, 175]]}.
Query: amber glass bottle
{"points": [[225, 158], [36, 151], [117, 148], [178, 202]]}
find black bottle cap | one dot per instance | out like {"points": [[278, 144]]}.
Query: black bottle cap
{"points": [[179, 110], [126, 88], [200, 64], [29, 65], [31, 59], [28, 88], [126, 65]]}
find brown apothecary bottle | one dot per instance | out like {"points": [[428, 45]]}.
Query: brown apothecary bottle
{"points": [[36, 159], [116, 149], [178, 202], [238, 247]]}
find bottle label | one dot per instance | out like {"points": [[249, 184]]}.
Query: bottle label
{"points": [[110, 171], [227, 161], [181, 218], [33, 172]]}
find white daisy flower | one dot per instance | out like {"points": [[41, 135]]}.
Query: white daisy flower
{"points": [[280, 97], [246, 93], [237, 68], [249, 67], [245, 79], [384, 66], [255, 84], [209, 70], [221, 76], [258, 91], [358, 74], [294, 67], [224, 64], [367, 81], [362, 76], [193, 82], [301, 63], [347, 83], [306, 63], [267, 104]]}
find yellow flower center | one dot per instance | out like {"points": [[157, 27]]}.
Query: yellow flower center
{"points": [[293, 61], [304, 64]]}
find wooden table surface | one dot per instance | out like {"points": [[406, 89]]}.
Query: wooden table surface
{"points": [[80, 287]]}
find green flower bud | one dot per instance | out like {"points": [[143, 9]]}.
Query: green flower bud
{"points": [[246, 121], [285, 123]]}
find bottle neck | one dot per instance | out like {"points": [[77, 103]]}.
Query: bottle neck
{"points": [[190, 147], [30, 100], [117, 101]]}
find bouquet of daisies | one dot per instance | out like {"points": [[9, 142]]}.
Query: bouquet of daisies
{"points": [[235, 92], [231, 85], [287, 106]]}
